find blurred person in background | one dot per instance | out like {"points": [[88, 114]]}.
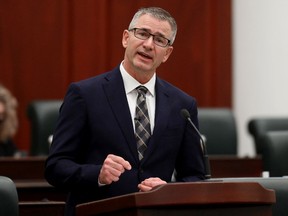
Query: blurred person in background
{"points": [[8, 122]]}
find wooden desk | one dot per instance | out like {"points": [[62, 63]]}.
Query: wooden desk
{"points": [[34, 191], [44, 208], [28, 174], [38, 190], [32, 168], [22, 168], [224, 166], [183, 199]]}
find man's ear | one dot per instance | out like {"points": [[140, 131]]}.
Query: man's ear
{"points": [[167, 54], [125, 38]]}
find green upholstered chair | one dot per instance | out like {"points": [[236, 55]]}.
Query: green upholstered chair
{"points": [[274, 145], [278, 184], [257, 127], [218, 125], [8, 197], [42, 115]]}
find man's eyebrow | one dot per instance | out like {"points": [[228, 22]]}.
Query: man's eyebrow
{"points": [[156, 33]]}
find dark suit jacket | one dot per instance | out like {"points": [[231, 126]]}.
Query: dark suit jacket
{"points": [[95, 121]]}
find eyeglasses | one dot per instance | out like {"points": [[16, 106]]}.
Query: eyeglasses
{"points": [[143, 34]]}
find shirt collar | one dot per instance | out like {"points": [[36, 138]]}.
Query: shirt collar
{"points": [[130, 83]]}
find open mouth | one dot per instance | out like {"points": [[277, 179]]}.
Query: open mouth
{"points": [[144, 55]]}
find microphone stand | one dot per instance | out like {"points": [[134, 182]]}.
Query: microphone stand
{"points": [[186, 115]]}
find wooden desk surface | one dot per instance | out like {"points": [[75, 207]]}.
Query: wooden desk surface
{"points": [[38, 190], [37, 197], [189, 198], [224, 166], [43, 208], [22, 168], [28, 174], [221, 166]]}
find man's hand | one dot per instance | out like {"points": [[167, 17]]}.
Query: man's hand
{"points": [[112, 168], [150, 183]]}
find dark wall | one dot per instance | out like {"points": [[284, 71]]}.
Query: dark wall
{"points": [[45, 45]]}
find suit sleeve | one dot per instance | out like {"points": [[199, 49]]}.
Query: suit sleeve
{"points": [[63, 165]]}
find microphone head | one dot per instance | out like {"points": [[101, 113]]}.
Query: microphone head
{"points": [[185, 114]]}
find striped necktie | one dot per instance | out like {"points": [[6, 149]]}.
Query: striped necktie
{"points": [[142, 122]]}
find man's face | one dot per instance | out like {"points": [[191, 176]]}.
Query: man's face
{"points": [[144, 56]]}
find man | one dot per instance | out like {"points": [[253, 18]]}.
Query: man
{"points": [[106, 143]]}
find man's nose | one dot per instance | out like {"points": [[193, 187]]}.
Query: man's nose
{"points": [[149, 41]]}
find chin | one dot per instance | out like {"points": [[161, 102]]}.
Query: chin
{"points": [[142, 66]]}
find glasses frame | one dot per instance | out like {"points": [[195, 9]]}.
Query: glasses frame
{"points": [[153, 36]]}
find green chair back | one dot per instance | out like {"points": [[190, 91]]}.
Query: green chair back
{"points": [[8, 197], [257, 127], [218, 125], [274, 146], [43, 116]]}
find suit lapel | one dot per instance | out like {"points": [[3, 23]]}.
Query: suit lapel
{"points": [[115, 93], [162, 113]]}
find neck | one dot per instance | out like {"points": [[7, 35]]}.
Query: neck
{"points": [[139, 75], [141, 78]]}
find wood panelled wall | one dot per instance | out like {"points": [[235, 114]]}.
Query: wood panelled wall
{"points": [[46, 44]]}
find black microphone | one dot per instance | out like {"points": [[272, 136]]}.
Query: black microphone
{"points": [[186, 115]]}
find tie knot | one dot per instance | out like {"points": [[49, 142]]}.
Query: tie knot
{"points": [[142, 90]]}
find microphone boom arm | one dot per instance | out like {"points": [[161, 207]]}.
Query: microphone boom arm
{"points": [[186, 115]]}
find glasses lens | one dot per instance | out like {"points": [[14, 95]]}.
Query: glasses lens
{"points": [[160, 41], [157, 39], [141, 34]]}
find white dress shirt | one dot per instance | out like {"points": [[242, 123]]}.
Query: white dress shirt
{"points": [[130, 85]]}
